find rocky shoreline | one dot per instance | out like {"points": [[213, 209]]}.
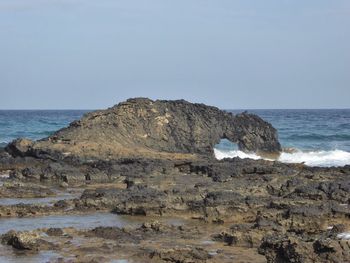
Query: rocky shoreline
{"points": [[152, 163]]}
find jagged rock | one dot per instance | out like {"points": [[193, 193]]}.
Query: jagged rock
{"points": [[290, 249], [25, 240], [20, 147], [154, 158], [181, 255], [143, 127], [154, 226]]}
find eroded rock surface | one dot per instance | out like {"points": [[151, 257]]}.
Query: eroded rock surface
{"points": [[26, 240], [153, 159], [146, 128]]}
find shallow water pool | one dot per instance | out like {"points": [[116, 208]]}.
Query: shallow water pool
{"points": [[83, 221]]}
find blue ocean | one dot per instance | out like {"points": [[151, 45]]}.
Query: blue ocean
{"points": [[315, 137], [34, 124]]}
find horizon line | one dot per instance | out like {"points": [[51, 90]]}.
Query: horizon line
{"points": [[341, 108]]}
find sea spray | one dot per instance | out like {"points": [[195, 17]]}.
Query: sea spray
{"points": [[310, 158], [221, 154], [317, 158]]}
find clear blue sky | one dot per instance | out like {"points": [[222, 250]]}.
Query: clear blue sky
{"points": [[92, 54]]}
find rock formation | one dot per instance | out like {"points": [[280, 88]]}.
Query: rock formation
{"points": [[145, 128], [154, 159]]}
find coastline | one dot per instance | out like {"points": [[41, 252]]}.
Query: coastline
{"points": [[88, 204]]}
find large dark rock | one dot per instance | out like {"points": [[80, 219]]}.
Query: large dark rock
{"points": [[142, 127], [281, 248]]}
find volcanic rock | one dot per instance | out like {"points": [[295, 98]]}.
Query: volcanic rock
{"points": [[25, 240], [145, 128]]}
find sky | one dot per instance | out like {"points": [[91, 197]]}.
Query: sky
{"points": [[233, 54]]}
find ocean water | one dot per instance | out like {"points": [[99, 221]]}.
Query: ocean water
{"points": [[34, 124], [317, 137]]}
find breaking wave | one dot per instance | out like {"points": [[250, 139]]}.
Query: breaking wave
{"points": [[310, 158], [221, 154]]}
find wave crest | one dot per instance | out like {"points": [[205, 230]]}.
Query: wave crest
{"points": [[311, 158], [221, 154], [317, 158]]}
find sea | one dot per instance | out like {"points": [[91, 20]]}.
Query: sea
{"points": [[316, 137]]}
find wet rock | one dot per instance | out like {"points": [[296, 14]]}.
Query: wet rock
{"points": [[247, 235], [114, 233], [20, 189], [154, 226], [266, 223], [137, 200], [20, 147], [181, 255], [284, 249], [54, 231], [294, 249], [25, 240], [228, 238]]}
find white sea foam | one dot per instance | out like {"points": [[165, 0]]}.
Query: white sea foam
{"points": [[221, 154], [311, 158], [317, 158]]}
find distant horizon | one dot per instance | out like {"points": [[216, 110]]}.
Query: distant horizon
{"points": [[208, 105]]}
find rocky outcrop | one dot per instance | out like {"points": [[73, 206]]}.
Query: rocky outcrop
{"points": [[146, 128], [325, 249], [26, 240], [156, 231], [283, 210], [153, 159]]}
